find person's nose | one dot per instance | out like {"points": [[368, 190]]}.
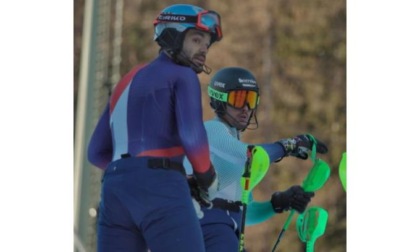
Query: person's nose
{"points": [[204, 49]]}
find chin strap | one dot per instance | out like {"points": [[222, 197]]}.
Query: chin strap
{"points": [[206, 69], [254, 115], [182, 59]]}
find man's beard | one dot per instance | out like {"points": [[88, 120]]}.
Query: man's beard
{"points": [[183, 59]]}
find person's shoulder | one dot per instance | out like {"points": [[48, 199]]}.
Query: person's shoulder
{"points": [[213, 121], [170, 65], [179, 72], [215, 124], [184, 71]]}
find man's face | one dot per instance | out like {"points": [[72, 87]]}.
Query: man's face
{"points": [[238, 118], [196, 45]]}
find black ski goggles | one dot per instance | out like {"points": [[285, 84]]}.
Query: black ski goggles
{"points": [[236, 98], [206, 20]]}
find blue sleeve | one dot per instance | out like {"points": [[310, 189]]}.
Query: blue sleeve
{"points": [[274, 150], [258, 212], [190, 123], [100, 145]]}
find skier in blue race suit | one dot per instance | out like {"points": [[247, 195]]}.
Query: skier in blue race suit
{"points": [[152, 120], [234, 96]]}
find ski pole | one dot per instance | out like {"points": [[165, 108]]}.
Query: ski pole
{"points": [[316, 178], [256, 166]]}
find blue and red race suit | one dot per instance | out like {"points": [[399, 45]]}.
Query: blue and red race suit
{"points": [[154, 111]]}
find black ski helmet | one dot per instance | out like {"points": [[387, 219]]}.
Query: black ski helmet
{"points": [[226, 80], [174, 21]]}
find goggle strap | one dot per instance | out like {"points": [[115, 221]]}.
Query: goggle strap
{"points": [[176, 18], [220, 96]]}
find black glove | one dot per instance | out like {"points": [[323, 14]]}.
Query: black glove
{"points": [[300, 145], [294, 197], [204, 186], [196, 192], [206, 179]]}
